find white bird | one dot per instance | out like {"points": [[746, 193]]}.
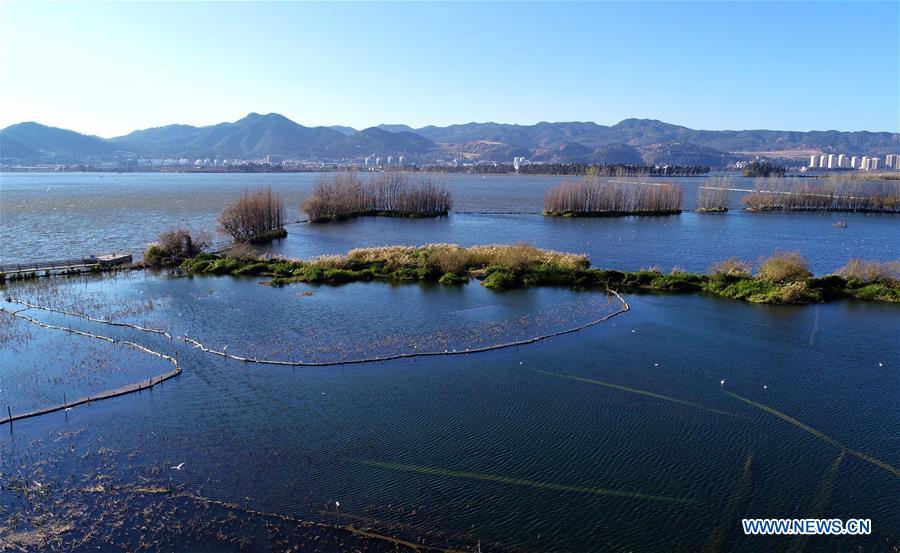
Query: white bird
{"points": [[337, 503], [178, 466], [633, 330], [880, 364], [722, 383], [521, 362], [765, 387], [225, 349], [68, 409], [655, 364]]}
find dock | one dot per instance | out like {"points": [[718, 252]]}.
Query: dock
{"points": [[99, 260]]}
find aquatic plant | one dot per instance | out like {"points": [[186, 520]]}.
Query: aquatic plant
{"points": [[839, 194], [784, 267], [731, 267], [782, 278], [255, 217], [869, 272], [596, 197], [713, 197], [390, 194]]}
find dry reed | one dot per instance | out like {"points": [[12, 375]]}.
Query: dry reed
{"points": [[594, 197], [839, 194], [714, 196], [344, 195]]}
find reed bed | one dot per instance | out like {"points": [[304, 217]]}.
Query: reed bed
{"points": [[595, 197], [256, 216], [838, 194], [390, 194], [713, 198]]}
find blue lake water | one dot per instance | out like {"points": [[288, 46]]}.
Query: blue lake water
{"points": [[620, 437], [63, 215]]}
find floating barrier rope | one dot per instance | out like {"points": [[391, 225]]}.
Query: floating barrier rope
{"points": [[378, 359], [718, 537], [821, 500], [822, 436], [107, 394], [637, 391], [435, 471]]}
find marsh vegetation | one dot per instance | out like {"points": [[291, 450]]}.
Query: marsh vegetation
{"points": [[390, 194], [782, 278], [837, 194], [713, 197], [597, 197]]}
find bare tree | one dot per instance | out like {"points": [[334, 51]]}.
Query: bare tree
{"points": [[255, 216]]}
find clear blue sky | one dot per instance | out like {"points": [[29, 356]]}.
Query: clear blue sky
{"points": [[108, 69]]}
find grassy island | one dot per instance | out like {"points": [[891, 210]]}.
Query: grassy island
{"points": [[783, 278], [392, 194], [594, 197]]}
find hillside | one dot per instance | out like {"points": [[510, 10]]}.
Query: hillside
{"points": [[255, 136]]}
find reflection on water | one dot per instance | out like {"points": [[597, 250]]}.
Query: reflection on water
{"points": [[620, 437]]}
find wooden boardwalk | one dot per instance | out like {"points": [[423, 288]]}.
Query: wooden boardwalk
{"points": [[103, 260]]}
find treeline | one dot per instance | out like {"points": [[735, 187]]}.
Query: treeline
{"points": [[832, 195], [593, 197], [763, 169], [391, 194]]}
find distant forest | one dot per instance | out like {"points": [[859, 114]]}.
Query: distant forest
{"points": [[601, 170]]}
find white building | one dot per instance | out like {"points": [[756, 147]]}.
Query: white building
{"points": [[822, 161], [842, 161], [812, 161], [390, 160], [853, 162], [890, 162], [831, 161], [873, 163], [864, 163], [400, 160]]}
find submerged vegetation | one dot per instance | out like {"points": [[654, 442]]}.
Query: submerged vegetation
{"points": [[782, 278], [390, 194], [595, 197], [255, 217], [838, 194]]}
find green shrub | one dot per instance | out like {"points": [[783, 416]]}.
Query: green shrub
{"points": [[453, 278], [252, 269], [876, 292], [500, 278]]}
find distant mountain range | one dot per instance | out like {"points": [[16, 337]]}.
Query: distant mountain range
{"points": [[256, 136]]}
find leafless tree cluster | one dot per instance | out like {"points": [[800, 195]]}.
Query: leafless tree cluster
{"points": [[714, 195], [833, 195], [255, 215], [344, 195], [174, 246], [594, 196]]}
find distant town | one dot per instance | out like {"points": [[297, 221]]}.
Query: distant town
{"points": [[862, 163]]}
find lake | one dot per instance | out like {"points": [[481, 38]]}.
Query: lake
{"points": [[620, 437], [64, 215]]}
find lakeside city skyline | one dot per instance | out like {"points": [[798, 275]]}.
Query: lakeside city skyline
{"points": [[138, 66]]}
